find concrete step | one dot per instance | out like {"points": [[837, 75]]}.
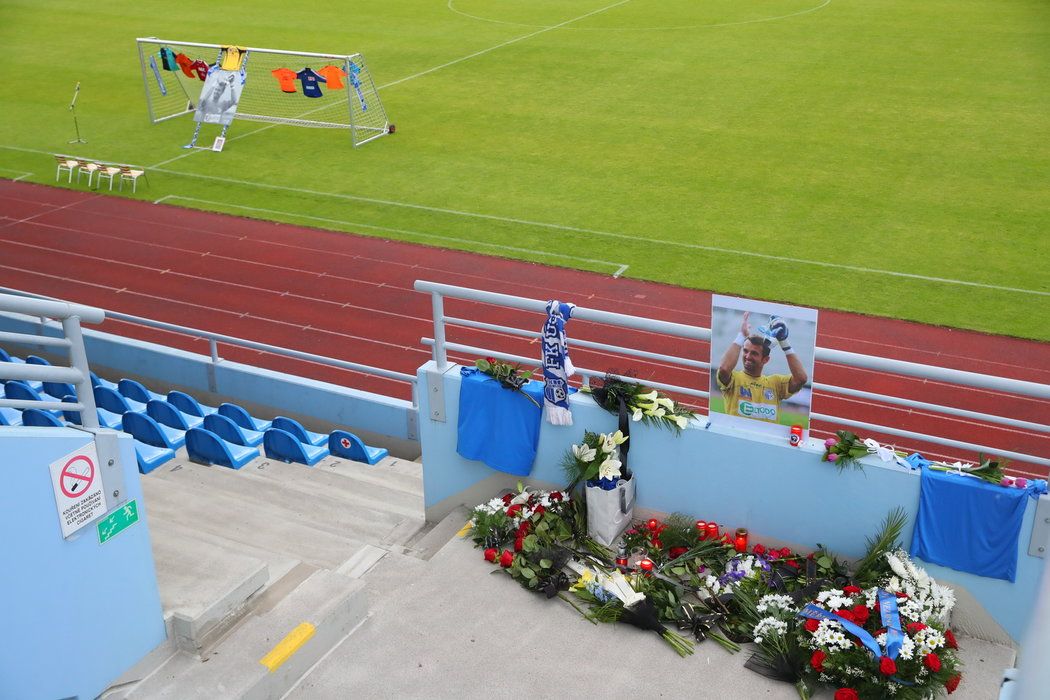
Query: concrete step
{"points": [[324, 608], [341, 479], [325, 509], [260, 525], [202, 583]]}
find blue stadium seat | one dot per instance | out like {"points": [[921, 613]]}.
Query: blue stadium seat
{"points": [[99, 381], [231, 432], [187, 404], [282, 445], [205, 447], [145, 429], [107, 419], [166, 414], [4, 357], [34, 360], [10, 416], [137, 391], [111, 400], [20, 391], [290, 425], [242, 418], [42, 419], [59, 389], [348, 446], [150, 457]]}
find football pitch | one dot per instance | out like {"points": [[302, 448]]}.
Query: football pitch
{"points": [[877, 156]]}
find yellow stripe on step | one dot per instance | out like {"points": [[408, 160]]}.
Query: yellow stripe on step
{"points": [[288, 646]]}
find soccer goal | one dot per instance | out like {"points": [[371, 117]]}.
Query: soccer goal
{"points": [[328, 91]]}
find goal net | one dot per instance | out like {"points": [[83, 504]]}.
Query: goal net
{"points": [[329, 91]]}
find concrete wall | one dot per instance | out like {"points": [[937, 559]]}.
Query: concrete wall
{"points": [[75, 613], [782, 494], [378, 420]]}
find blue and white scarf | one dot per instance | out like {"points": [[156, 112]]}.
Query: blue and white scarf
{"points": [[557, 367]]}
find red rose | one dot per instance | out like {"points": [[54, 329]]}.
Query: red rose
{"points": [[852, 590], [539, 510], [846, 694], [773, 554], [519, 543], [506, 559], [846, 615], [556, 496], [784, 552], [524, 528], [887, 666], [952, 683], [950, 638], [902, 595], [490, 554], [914, 627], [507, 498], [879, 631], [658, 544], [932, 661], [812, 625], [793, 564], [860, 614], [811, 556], [514, 510], [759, 549], [678, 551], [817, 661], [490, 360]]}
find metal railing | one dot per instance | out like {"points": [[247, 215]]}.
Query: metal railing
{"points": [[441, 346], [78, 373], [215, 338]]}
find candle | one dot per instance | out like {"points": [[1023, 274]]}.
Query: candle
{"points": [[712, 531], [646, 566], [701, 528], [740, 543], [653, 524]]}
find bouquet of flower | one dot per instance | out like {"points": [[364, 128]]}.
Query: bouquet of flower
{"points": [[927, 601], [989, 469], [595, 461], [509, 376], [650, 407], [847, 448]]}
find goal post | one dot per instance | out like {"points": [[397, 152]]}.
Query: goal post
{"points": [[328, 91]]}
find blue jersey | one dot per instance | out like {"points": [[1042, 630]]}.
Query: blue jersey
{"points": [[311, 82]]}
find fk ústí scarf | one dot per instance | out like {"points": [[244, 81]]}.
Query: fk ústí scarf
{"points": [[557, 367]]}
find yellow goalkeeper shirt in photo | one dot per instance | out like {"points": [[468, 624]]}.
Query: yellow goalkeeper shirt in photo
{"points": [[755, 397]]}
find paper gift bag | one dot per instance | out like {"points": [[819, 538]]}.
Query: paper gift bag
{"points": [[609, 512]]}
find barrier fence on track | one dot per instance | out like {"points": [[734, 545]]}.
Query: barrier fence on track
{"points": [[1040, 393]]}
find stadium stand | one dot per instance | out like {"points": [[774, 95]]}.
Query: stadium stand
{"points": [[112, 400], [231, 432], [145, 429], [34, 417], [242, 418], [187, 404], [164, 412], [137, 391]]}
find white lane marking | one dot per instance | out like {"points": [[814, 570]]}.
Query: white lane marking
{"points": [[620, 267]]}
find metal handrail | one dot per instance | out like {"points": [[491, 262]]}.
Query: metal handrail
{"points": [[215, 338], [78, 373], [440, 345]]}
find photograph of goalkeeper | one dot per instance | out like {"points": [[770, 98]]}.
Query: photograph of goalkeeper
{"points": [[762, 360]]}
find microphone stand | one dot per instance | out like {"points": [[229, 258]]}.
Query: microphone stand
{"points": [[73, 109]]}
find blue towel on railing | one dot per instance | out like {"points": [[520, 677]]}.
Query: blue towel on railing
{"points": [[498, 426], [968, 524]]}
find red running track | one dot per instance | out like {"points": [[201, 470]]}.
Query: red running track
{"points": [[350, 297]]}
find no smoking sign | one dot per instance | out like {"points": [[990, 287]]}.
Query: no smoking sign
{"points": [[78, 489]]}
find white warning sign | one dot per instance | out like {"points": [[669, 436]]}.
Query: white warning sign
{"points": [[78, 489]]}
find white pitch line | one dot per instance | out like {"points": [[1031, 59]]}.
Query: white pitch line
{"points": [[620, 267], [612, 234], [22, 176]]}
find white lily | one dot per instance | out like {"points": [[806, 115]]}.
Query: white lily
{"points": [[651, 396], [637, 415], [584, 453], [609, 469], [656, 413], [522, 497], [666, 403], [681, 421], [609, 442]]}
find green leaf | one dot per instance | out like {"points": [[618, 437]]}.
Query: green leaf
{"points": [[824, 562], [483, 365], [527, 572], [546, 563], [670, 597], [678, 570]]}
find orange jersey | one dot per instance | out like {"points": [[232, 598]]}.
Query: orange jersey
{"points": [[334, 76], [286, 78]]}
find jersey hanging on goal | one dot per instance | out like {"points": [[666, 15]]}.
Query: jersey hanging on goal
{"points": [[266, 85]]}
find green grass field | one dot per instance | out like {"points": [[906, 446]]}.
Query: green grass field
{"points": [[879, 156]]}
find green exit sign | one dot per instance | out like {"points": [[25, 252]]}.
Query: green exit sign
{"points": [[118, 521]]}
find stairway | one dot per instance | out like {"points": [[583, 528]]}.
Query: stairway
{"points": [[263, 570]]}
